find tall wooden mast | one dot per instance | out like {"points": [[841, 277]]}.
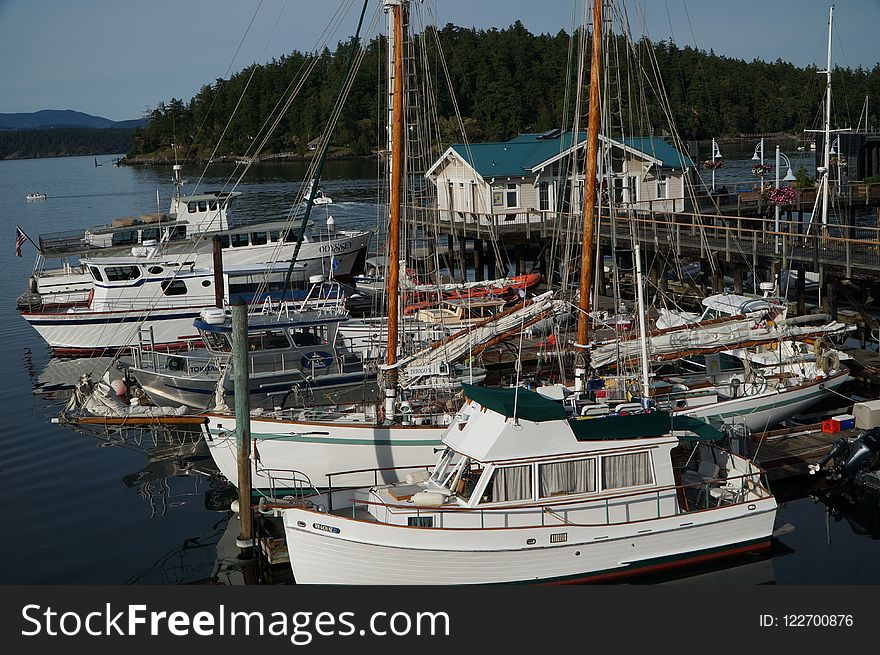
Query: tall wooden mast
{"points": [[590, 171], [396, 8]]}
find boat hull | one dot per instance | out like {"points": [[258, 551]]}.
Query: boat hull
{"points": [[763, 411], [363, 552], [87, 332], [318, 448]]}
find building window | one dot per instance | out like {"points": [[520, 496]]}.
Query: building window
{"points": [[510, 483], [173, 288], [661, 187], [544, 196], [565, 478], [512, 196], [498, 197], [630, 470]]}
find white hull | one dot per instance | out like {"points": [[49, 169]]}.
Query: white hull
{"points": [[58, 287], [316, 449], [374, 553], [87, 331], [763, 411]]}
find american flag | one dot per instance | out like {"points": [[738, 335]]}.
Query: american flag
{"points": [[20, 238]]}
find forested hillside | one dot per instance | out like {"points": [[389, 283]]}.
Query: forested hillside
{"points": [[506, 82], [61, 142]]}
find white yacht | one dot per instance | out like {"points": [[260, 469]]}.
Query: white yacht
{"points": [[524, 492], [185, 233]]}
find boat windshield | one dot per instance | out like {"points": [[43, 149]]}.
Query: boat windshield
{"points": [[442, 472]]}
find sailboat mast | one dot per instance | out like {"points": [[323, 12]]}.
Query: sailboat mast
{"points": [[589, 196], [396, 180], [827, 149]]}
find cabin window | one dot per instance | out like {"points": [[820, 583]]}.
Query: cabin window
{"points": [[274, 235], [177, 233], [191, 207], [120, 273], [173, 287], [150, 233], [203, 205], [420, 521], [268, 340], [213, 205], [96, 273], [570, 477], [206, 283], [466, 482], [509, 483], [544, 196], [239, 240], [124, 238], [312, 336], [259, 238], [289, 236], [512, 196], [224, 240], [217, 341], [156, 270], [629, 470]]}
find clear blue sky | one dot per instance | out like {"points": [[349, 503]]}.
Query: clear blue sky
{"points": [[114, 58]]}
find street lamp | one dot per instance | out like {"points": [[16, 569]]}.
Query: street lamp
{"points": [[716, 154], [789, 176]]}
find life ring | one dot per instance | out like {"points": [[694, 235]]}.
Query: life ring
{"points": [[176, 364]]}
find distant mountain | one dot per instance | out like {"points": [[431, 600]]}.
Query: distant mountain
{"points": [[55, 118]]}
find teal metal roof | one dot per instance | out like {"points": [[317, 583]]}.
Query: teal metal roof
{"points": [[659, 149], [518, 156]]}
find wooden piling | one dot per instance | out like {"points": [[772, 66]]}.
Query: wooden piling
{"points": [[242, 424]]}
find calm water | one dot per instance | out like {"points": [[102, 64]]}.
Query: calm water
{"points": [[80, 511]]}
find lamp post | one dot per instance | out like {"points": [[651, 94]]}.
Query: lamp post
{"points": [[788, 178], [716, 154]]}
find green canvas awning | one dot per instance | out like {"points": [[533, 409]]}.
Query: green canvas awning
{"points": [[703, 431], [625, 426], [530, 406]]}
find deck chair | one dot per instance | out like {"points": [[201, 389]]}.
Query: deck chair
{"points": [[706, 471]]}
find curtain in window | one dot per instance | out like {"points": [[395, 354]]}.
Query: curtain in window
{"points": [[562, 478], [512, 483], [628, 470]]}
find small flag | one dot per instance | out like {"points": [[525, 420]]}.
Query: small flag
{"points": [[334, 263], [20, 238]]}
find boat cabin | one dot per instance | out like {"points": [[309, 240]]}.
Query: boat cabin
{"points": [[461, 310], [512, 456]]}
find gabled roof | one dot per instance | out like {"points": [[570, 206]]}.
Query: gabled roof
{"points": [[524, 154], [659, 149]]}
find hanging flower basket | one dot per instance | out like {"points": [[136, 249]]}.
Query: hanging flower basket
{"points": [[783, 196], [840, 162], [713, 164], [761, 169]]}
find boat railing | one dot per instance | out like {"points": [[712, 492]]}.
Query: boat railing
{"points": [[288, 483], [374, 471], [149, 359], [734, 490]]}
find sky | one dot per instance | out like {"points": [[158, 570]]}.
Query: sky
{"points": [[117, 58]]}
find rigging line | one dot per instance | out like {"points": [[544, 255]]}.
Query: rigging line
{"points": [[325, 143], [226, 74]]}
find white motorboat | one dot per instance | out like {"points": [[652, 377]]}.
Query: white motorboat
{"points": [[295, 355], [522, 492], [153, 302], [36, 196], [185, 233]]}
